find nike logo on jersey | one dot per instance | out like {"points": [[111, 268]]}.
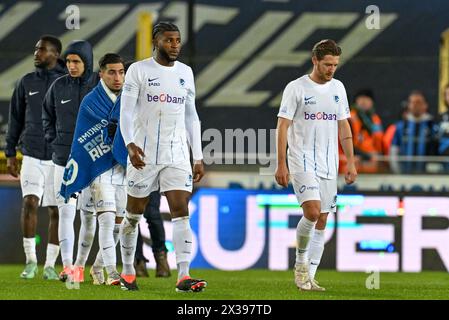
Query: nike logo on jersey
{"points": [[107, 248], [33, 93], [152, 83], [308, 100], [65, 101]]}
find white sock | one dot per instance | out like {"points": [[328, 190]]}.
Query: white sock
{"points": [[98, 264], [106, 222], [128, 241], [304, 231], [52, 255], [86, 237], [182, 241], [29, 246], [316, 251], [66, 233], [116, 233]]}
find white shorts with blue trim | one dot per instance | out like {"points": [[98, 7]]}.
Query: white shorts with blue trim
{"points": [[37, 178], [309, 186], [163, 177], [107, 195]]}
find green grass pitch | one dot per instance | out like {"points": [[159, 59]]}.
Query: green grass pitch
{"points": [[236, 285]]}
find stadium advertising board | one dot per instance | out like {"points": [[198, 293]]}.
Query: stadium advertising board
{"points": [[241, 229]]}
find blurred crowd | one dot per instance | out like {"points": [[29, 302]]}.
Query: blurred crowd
{"points": [[416, 143]]}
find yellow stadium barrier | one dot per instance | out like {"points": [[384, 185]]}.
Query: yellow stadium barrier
{"points": [[444, 69], [144, 36]]}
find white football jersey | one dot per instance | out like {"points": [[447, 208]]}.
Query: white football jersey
{"points": [[313, 136], [159, 116]]}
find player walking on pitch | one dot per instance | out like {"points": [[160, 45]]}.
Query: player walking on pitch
{"points": [[159, 122], [37, 174], [314, 109]]}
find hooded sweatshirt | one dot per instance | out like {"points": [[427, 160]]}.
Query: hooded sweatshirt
{"points": [[62, 102]]}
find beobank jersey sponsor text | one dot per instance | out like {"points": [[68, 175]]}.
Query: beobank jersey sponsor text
{"points": [[165, 97], [320, 116]]}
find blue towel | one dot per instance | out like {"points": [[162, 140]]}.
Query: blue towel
{"points": [[90, 154], [118, 145]]}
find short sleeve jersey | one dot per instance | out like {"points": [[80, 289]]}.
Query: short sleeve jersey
{"points": [[313, 136], [159, 116]]}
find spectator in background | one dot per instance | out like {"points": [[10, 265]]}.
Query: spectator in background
{"points": [[391, 129], [414, 136], [367, 131]]}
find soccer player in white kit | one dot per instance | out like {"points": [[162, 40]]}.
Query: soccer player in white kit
{"points": [[59, 112], [314, 109], [159, 122], [108, 189]]}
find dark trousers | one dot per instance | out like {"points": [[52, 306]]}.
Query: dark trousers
{"points": [[153, 217]]}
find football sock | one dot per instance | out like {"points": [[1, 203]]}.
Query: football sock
{"points": [[304, 231], [99, 260], [66, 233], [182, 241], [316, 251], [52, 255], [106, 221], [29, 246], [128, 241], [86, 237]]}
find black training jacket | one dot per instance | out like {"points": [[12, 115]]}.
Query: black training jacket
{"points": [[62, 102], [25, 113]]}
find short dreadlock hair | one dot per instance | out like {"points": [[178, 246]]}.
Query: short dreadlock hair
{"points": [[162, 27]]}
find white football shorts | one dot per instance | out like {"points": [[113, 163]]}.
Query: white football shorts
{"points": [[37, 178], [308, 187], [107, 195], [165, 177]]}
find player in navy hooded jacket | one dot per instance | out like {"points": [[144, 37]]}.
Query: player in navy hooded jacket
{"points": [[59, 114], [37, 172]]}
